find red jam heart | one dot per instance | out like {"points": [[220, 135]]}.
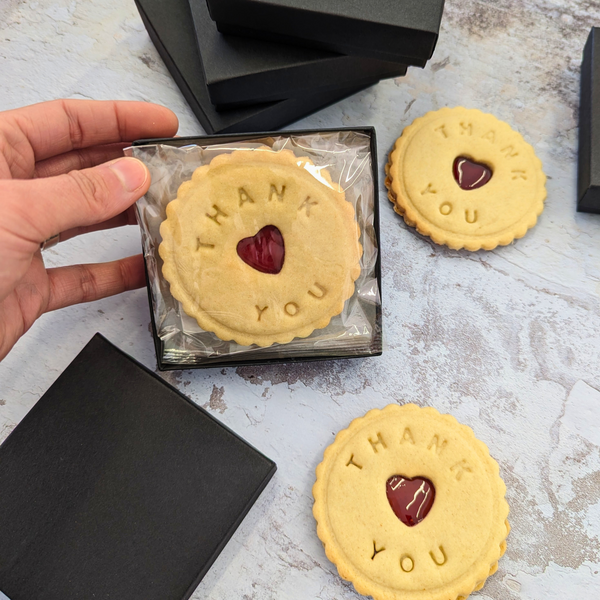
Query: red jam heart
{"points": [[265, 251], [410, 499], [469, 174]]}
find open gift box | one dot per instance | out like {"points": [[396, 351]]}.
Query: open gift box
{"points": [[217, 287]]}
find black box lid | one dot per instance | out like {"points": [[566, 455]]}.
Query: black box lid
{"points": [[170, 27], [378, 29], [116, 486], [240, 70]]}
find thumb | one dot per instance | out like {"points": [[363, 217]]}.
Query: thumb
{"points": [[48, 206]]}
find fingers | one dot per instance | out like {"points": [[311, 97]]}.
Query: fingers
{"points": [[37, 209], [79, 159], [85, 283], [53, 128]]}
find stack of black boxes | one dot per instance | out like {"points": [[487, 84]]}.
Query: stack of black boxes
{"points": [[257, 65]]}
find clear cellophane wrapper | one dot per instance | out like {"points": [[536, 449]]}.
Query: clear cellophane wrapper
{"points": [[356, 331]]}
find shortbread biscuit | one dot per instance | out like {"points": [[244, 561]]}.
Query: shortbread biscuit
{"points": [[260, 247], [465, 179], [410, 505]]}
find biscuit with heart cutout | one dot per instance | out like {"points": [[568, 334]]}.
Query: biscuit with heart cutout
{"points": [[261, 247], [410, 505], [465, 179]]}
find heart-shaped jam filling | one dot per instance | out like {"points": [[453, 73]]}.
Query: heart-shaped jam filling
{"points": [[469, 174], [265, 251], [410, 499]]}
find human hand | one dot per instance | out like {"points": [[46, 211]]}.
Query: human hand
{"points": [[55, 179]]}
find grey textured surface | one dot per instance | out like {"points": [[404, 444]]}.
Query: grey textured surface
{"points": [[507, 341]]}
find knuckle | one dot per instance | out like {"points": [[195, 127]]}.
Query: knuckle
{"points": [[88, 284], [75, 129], [5, 147], [93, 189]]}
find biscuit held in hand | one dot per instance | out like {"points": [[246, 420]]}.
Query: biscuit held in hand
{"points": [[409, 504], [261, 247], [465, 179]]}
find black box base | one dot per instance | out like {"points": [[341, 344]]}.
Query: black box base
{"points": [[317, 93], [588, 177], [374, 348]]}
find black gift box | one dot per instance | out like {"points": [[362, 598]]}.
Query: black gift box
{"points": [[241, 71], [170, 27], [377, 29], [170, 358], [116, 486], [588, 178]]}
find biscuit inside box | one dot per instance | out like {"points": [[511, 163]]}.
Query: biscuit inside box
{"points": [[228, 262]]}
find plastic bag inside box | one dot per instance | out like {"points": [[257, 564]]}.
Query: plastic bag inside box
{"points": [[214, 249]]}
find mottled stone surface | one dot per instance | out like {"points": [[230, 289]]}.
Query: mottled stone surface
{"points": [[507, 341]]}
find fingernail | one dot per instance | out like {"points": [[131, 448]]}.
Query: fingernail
{"points": [[131, 171]]}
